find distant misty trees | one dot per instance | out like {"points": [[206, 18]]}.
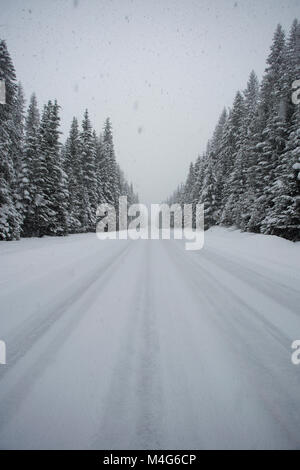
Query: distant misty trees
{"points": [[47, 188], [249, 175]]}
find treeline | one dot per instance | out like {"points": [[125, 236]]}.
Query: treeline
{"points": [[47, 188], [249, 175]]}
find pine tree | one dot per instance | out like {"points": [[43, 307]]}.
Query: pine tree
{"points": [[98, 158], [245, 168], [215, 153], [58, 182], [199, 169], [41, 210], [198, 180], [291, 69], [208, 195], [109, 170], [89, 174], [189, 185], [28, 188], [274, 133], [10, 221], [72, 167], [18, 150], [232, 142]]}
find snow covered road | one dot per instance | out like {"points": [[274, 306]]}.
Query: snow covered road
{"points": [[141, 344]]}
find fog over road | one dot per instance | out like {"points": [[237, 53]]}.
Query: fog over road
{"points": [[142, 344]]}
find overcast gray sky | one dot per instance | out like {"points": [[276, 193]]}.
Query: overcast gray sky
{"points": [[161, 69]]}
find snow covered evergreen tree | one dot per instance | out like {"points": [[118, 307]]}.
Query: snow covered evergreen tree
{"points": [[72, 166], [10, 220], [28, 178], [98, 158], [18, 150], [274, 133], [197, 184], [208, 195], [60, 196], [232, 142], [247, 157], [215, 153], [189, 185], [89, 175], [109, 171]]}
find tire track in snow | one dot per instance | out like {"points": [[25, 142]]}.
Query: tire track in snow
{"points": [[265, 284], [202, 282], [23, 339], [179, 352], [148, 432], [132, 413], [13, 394], [239, 305]]}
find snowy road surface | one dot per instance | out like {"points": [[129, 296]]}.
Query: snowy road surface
{"points": [[141, 344]]}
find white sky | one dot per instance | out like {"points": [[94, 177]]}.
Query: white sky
{"points": [[161, 69]]}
